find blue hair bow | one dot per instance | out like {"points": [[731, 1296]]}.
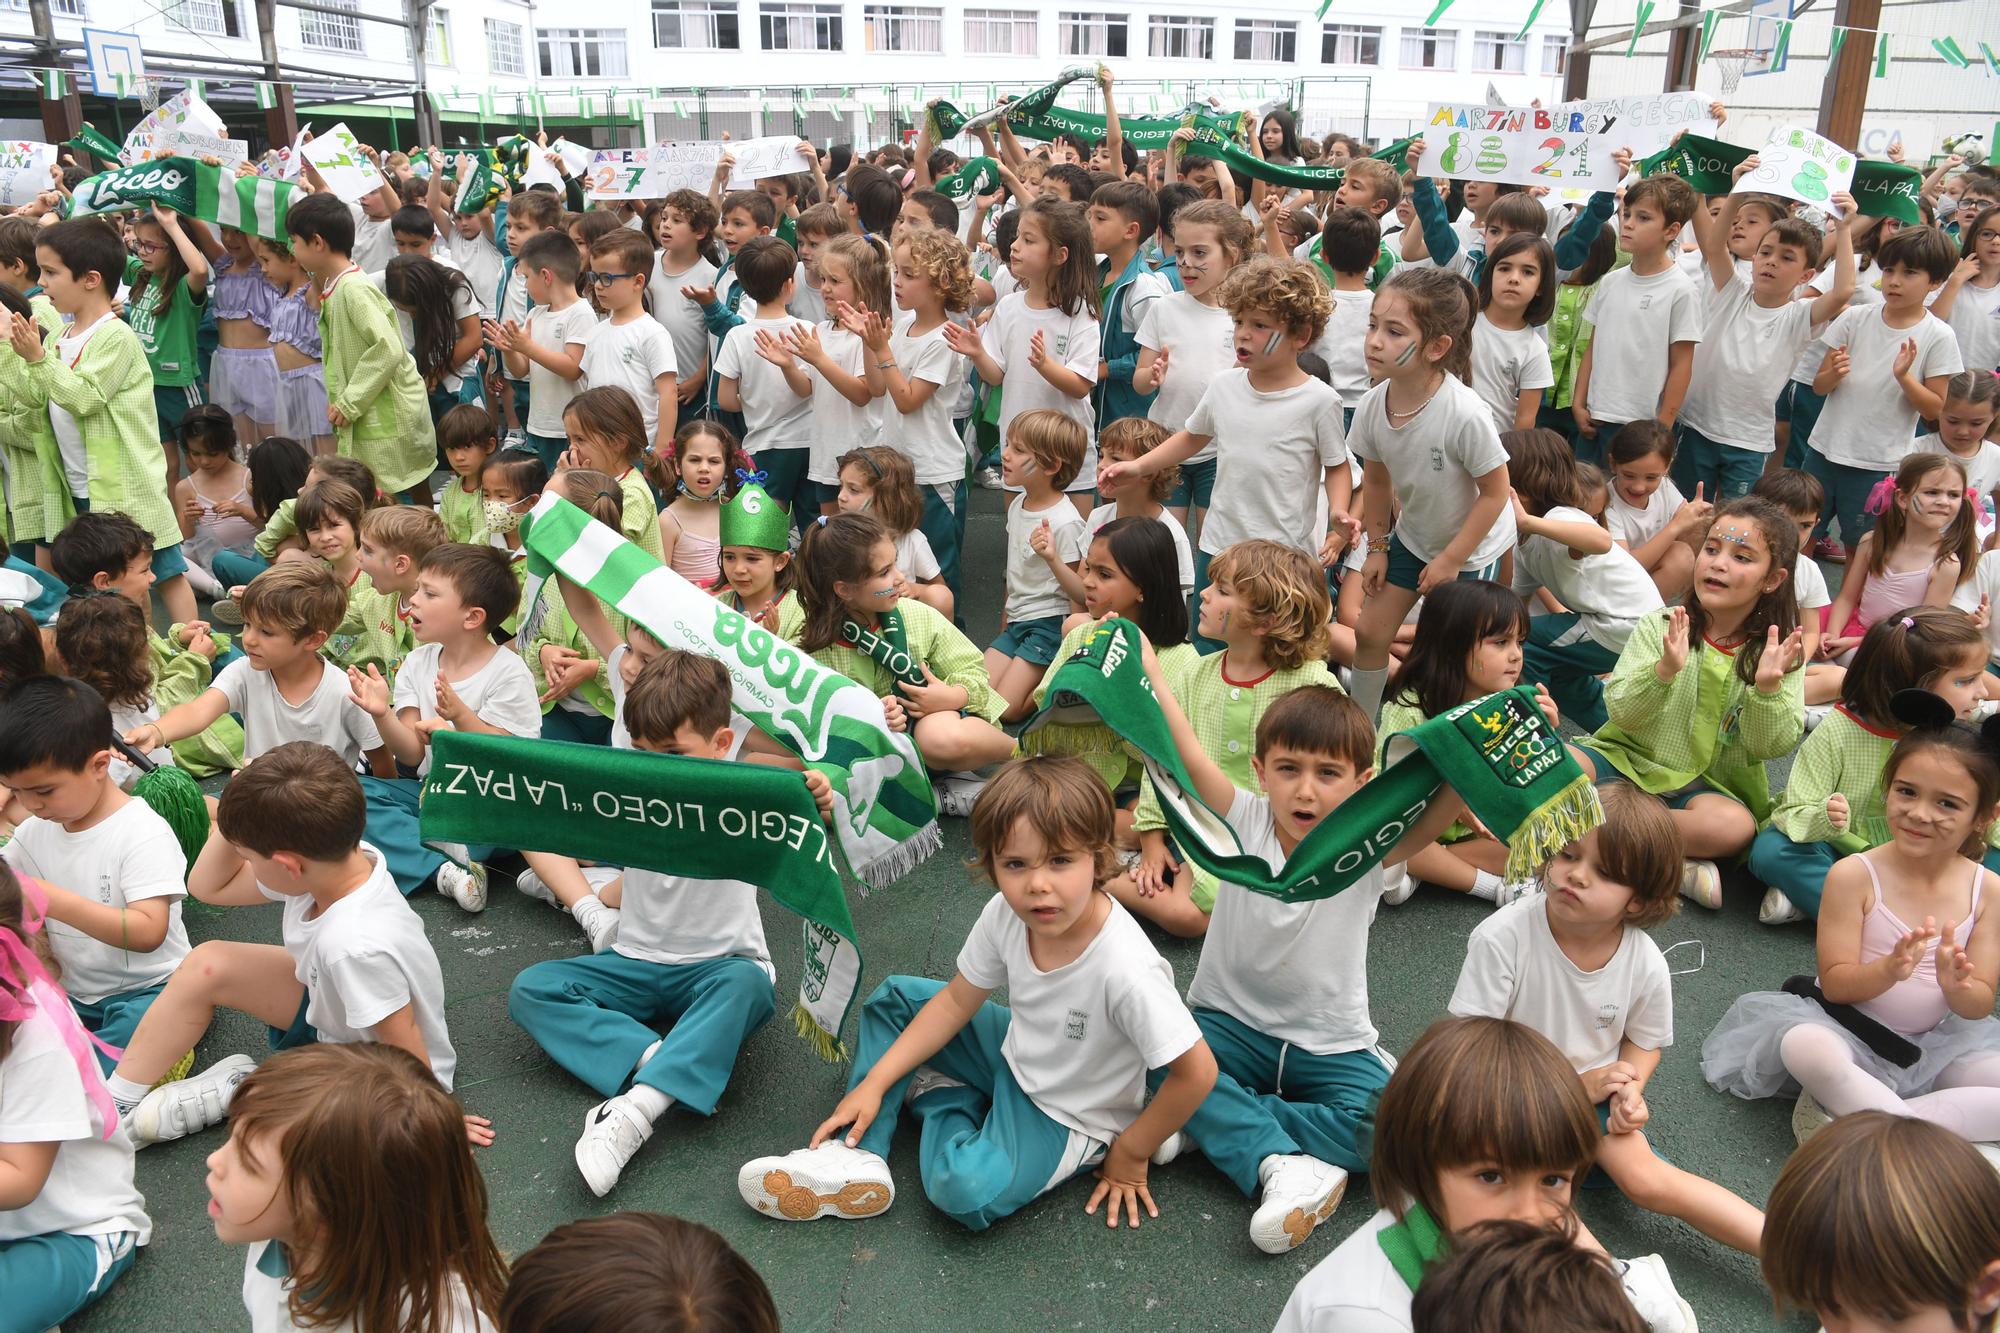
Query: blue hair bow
{"points": [[745, 477]]}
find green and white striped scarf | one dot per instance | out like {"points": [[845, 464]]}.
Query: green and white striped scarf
{"points": [[251, 204], [885, 815]]}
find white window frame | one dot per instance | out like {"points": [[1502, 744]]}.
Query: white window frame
{"points": [[331, 32], [1554, 55], [1443, 44], [579, 44], [1492, 50], [210, 17], [1194, 34], [1089, 32], [904, 30], [809, 16], [437, 47], [62, 9], [506, 50], [1354, 37], [1278, 36], [700, 23], [1002, 32]]}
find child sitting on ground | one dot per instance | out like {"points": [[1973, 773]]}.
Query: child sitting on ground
{"points": [[574, 1280], [1800, 495], [1044, 449], [468, 437]]}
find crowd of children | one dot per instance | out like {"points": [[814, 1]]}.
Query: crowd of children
{"points": [[1341, 480]]}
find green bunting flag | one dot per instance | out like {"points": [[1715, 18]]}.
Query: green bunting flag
{"points": [[1499, 753], [701, 819], [1838, 40], [1708, 21], [1533, 14], [1438, 12], [1948, 48], [1882, 56], [55, 84], [1784, 44], [1639, 26], [255, 204], [1992, 61], [267, 95]]}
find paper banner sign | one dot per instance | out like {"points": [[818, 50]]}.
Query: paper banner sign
{"points": [[618, 173], [575, 157], [189, 143], [347, 171], [24, 170], [538, 170], [1799, 164], [773, 155], [1643, 124], [1560, 159], [184, 111]]}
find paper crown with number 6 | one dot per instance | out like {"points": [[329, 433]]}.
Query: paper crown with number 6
{"points": [[752, 518]]}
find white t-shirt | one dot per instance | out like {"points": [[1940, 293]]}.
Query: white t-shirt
{"points": [[807, 303], [1200, 342], [1272, 453], [481, 261], [1636, 527], [1433, 460], [1745, 349], [1867, 421], [1032, 590], [632, 357], [1353, 1290], [1637, 319], [839, 425], [925, 436], [127, 857], [1081, 1038], [1985, 581], [680, 317], [1975, 320], [502, 692], [773, 416], [69, 436], [548, 392], [1504, 363], [89, 1191], [1809, 585], [267, 1289], [915, 557], [362, 959], [1297, 972], [1071, 341], [374, 243], [1609, 591], [1514, 969], [675, 920], [328, 716], [1344, 345], [514, 304], [1183, 554]]}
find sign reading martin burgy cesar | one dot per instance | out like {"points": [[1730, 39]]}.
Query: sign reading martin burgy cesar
{"points": [[1643, 124]]}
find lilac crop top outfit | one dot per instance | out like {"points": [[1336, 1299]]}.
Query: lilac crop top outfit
{"points": [[243, 380], [301, 392]]}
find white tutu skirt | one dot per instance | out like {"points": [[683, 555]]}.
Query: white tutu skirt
{"points": [[245, 380], [302, 404], [1741, 1055]]}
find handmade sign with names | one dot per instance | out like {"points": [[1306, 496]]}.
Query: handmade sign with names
{"points": [[1801, 165], [773, 155], [618, 173], [192, 143], [540, 170], [1643, 124], [24, 170], [345, 168], [183, 111], [1458, 145]]}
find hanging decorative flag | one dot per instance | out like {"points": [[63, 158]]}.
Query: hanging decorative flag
{"points": [[267, 95], [1882, 56], [1838, 40], [1992, 62], [436, 100], [1533, 14], [55, 83], [1708, 20], [197, 88], [486, 104], [120, 77], [1436, 14], [1952, 56], [1784, 44], [1639, 26]]}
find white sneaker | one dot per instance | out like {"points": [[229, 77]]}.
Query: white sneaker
{"points": [[1778, 910], [1397, 885], [1808, 1118], [832, 1180], [1514, 890], [187, 1106], [1816, 714], [1171, 1147], [530, 883], [1300, 1192], [958, 792], [988, 479], [1651, 1291], [612, 1131], [1701, 882], [515, 440], [925, 1079], [464, 885], [600, 925]]}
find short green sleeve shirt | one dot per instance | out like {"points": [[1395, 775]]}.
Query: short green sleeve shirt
{"points": [[167, 336]]}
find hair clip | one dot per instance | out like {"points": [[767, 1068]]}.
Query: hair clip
{"points": [[1909, 622], [1879, 497], [747, 477], [821, 520]]}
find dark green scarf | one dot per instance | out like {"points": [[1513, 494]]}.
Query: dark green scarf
{"points": [[887, 645]]}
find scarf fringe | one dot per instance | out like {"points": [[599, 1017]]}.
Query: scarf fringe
{"points": [[900, 859], [826, 1045], [1552, 826]]}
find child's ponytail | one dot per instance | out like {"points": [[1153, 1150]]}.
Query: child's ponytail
{"points": [[1960, 538], [835, 550], [868, 267], [1443, 304], [1904, 649]]}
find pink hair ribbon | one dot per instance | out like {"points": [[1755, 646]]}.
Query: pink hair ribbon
{"points": [[1878, 499], [25, 986]]}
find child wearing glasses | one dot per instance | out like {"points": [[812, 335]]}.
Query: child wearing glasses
{"points": [[631, 350]]}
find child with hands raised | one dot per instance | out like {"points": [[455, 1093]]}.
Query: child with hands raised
{"points": [[1645, 510], [846, 407]]}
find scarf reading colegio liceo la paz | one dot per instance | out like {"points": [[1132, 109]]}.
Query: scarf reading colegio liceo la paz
{"points": [[1499, 753], [698, 818]]}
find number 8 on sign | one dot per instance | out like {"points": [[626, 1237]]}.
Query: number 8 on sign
{"points": [[1453, 157], [1811, 181]]}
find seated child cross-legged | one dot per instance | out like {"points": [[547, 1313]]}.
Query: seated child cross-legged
{"points": [[111, 868], [1281, 992], [1575, 963], [658, 1018], [1014, 1101], [291, 826]]}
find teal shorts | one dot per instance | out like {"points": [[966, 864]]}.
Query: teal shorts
{"points": [[172, 403], [1407, 571]]}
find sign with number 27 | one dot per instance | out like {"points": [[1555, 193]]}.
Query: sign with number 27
{"points": [[1801, 165], [1555, 158]]}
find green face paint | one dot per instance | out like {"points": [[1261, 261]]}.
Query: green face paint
{"points": [[1404, 359]]}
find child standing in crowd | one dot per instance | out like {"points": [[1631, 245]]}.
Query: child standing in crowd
{"points": [[846, 408], [167, 291], [1122, 214], [629, 350], [1510, 362], [1044, 533], [757, 375], [243, 376], [684, 225], [548, 347], [297, 348]]}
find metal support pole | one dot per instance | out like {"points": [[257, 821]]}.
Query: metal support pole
{"points": [[418, 18], [1683, 49], [281, 118], [62, 116], [1576, 72]]}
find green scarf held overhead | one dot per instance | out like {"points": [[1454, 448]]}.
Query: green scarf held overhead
{"points": [[979, 176], [695, 818], [886, 646], [1499, 753], [1881, 189], [1211, 143], [885, 816], [255, 204]]}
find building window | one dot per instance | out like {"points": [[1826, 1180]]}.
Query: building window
{"points": [[62, 9], [1081, 34], [331, 32], [1499, 53], [906, 28], [217, 18], [1267, 39], [695, 25], [1554, 55], [1000, 32], [808, 27], [437, 49], [1177, 37], [588, 53], [503, 48], [1430, 48], [1350, 44]]}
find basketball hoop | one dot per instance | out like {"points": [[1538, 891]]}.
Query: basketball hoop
{"points": [[1730, 62]]}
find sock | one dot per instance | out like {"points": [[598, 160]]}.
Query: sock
{"points": [[125, 1094], [585, 908], [1366, 687], [648, 1101], [1486, 884], [648, 1054]]}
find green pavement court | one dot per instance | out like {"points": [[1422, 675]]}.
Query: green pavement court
{"points": [[1048, 1267]]}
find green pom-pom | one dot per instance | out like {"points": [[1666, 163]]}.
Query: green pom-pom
{"points": [[176, 797]]}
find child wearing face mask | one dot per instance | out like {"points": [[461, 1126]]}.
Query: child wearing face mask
{"points": [[512, 481]]}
